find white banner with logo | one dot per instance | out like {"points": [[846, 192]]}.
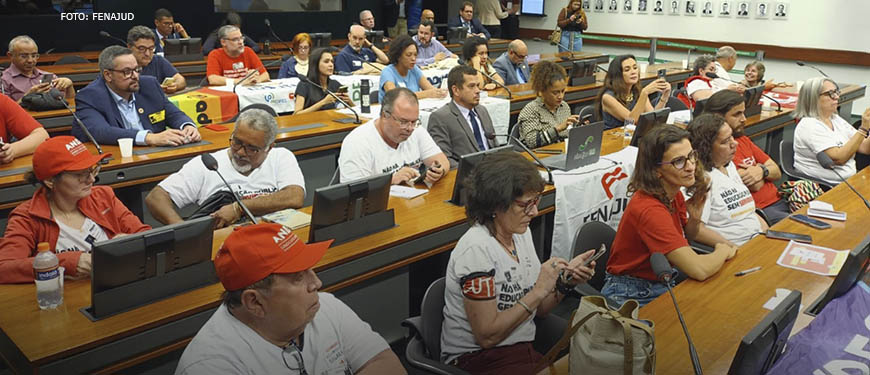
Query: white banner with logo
{"points": [[597, 192]]}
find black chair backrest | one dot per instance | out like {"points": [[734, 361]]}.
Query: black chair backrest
{"points": [[590, 236], [71, 59], [676, 104], [262, 106], [587, 113], [786, 156], [432, 315]]}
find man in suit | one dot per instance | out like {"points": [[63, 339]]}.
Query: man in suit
{"points": [[121, 104], [460, 127], [166, 28], [512, 65], [466, 19]]}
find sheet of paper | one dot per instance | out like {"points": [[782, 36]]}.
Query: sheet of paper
{"points": [[814, 259], [291, 218], [680, 117], [406, 192], [819, 205]]}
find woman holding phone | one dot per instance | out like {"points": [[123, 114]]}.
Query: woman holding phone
{"points": [[621, 99], [310, 98]]}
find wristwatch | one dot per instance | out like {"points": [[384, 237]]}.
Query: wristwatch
{"points": [[765, 171]]}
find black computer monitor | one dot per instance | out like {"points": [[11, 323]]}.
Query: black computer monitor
{"points": [[853, 270], [647, 121], [186, 49], [753, 95], [467, 163], [320, 39], [583, 72], [699, 107], [764, 344], [351, 209], [456, 35], [143, 267], [376, 37]]}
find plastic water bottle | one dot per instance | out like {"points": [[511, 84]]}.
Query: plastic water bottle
{"points": [[365, 96], [628, 130], [49, 278]]}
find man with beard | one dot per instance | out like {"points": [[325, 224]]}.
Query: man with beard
{"points": [[392, 143], [267, 178], [121, 104], [234, 61], [141, 41]]}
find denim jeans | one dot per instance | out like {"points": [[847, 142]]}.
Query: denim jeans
{"points": [[566, 41], [621, 288]]}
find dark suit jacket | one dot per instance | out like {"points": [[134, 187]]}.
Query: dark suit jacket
{"points": [[476, 26], [506, 69], [452, 133], [98, 111]]}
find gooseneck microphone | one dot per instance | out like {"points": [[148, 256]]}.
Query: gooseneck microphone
{"points": [[716, 76], [330, 93], [828, 163], [212, 165], [499, 84], [82, 126], [522, 145], [269, 25], [801, 63], [662, 268], [106, 35]]}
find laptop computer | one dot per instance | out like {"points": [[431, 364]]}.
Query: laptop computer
{"points": [[584, 148]]}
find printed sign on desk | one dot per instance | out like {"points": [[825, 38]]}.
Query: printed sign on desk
{"points": [[814, 259], [207, 106]]}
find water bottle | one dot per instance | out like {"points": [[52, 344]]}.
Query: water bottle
{"points": [[365, 96], [49, 278], [628, 130], [267, 47]]}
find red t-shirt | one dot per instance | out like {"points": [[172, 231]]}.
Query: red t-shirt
{"points": [[647, 227], [748, 154], [14, 120], [219, 63]]}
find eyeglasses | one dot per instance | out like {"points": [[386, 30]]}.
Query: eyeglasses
{"points": [[86, 175], [528, 205], [128, 73], [303, 48], [236, 145], [680, 162], [235, 40], [26, 56], [407, 124], [833, 94], [293, 351], [144, 49]]}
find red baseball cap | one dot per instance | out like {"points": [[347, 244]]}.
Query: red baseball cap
{"points": [[253, 252], [60, 154]]}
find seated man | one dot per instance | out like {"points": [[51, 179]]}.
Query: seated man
{"points": [[427, 15], [466, 19], [358, 50], [121, 104], [166, 28], [726, 58], [15, 122], [367, 20], [273, 319], [392, 143], [22, 77], [140, 40], [429, 49], [460, 127], [267, 178], [234, 61], [512, 65]]}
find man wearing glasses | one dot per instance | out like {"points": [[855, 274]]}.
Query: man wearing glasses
{"points": [[273, 320], [142, 42], [512, 64], [122, 104], [167, 28], [393, 143], [23, 77], [234, 63], [267, 178]]}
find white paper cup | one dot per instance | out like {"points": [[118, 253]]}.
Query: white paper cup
{"points": [[643, 66], [126, 145]]}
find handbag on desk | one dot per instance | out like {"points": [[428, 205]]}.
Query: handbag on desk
{"points": [[212, 204], [42, 101], [604, 340]]}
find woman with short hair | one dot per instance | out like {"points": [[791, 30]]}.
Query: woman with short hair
{"points": [[298, 64], [404, 72], [546, 119]]}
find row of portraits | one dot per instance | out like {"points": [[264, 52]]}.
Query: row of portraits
{"points": [[727, 9]]}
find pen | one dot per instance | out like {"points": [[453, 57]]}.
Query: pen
{"points": [[744, 272]]}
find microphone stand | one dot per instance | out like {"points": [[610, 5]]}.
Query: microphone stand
{"points": [[211, 164], [491, 79], [528, 151], [801, 63], [330, 93], [829, 166], [287, 46], [84, 129], [105, 34], [662, 269]]}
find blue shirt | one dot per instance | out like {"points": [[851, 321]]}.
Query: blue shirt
{"points": [[128, 113], [288, 69], [410, 81], [349, 60], [426, 54], [159, 68]]}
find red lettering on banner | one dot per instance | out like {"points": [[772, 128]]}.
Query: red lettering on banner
{"points": [[609, 178], [479, 288]]}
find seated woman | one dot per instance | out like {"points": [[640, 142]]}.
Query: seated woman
{"points": [[621, 99], [310, 98], [298, 64], [546, 119], [495, 284], [757, 170], [753, 75], [403, 71], [698, 85], [212, 42], [658, 219], [475, 53], [67, 211], [821, 129], [729, 210]]}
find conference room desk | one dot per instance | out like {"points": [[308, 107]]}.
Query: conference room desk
{"points": [[724, 308], [47, 59]]}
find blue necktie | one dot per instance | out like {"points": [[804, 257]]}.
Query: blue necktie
{"points": [[520, 76], [476, 128]]}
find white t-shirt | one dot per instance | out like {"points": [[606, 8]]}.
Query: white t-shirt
{"points": [[698, 84], [724, 79], [481, 268], [364, 152], [730, 209], [194, 183], [79, 239], [337, 341], [812, 136]]}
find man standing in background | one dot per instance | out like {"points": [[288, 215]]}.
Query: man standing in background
{"points": [[510, 26]]}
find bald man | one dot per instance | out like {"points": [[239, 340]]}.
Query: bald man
{"points": [[512, 64], [428, 15], [367, 20], [358, 51]]}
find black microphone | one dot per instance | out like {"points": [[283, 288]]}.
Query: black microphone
{"points": [[212, 165], [105, 34], [50, 50], [330, 93], [801, 63], [662, 268], [522, 145], [82, 126], [510, 94], [269, 25], [828, 163], [715, 76]]}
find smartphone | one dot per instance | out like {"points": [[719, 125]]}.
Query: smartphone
{"points": [[662, 73], [47, 78], [598, 253], [423, 168], [777, 235], [342, 90], [818, 224], [167, 81]]}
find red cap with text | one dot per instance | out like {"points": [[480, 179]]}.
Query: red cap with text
{"points": [[61, 154]]}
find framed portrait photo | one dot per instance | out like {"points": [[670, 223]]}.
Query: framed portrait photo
{"points": [[724, 9], [781, 11], [762, 10], [743, 9]]}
